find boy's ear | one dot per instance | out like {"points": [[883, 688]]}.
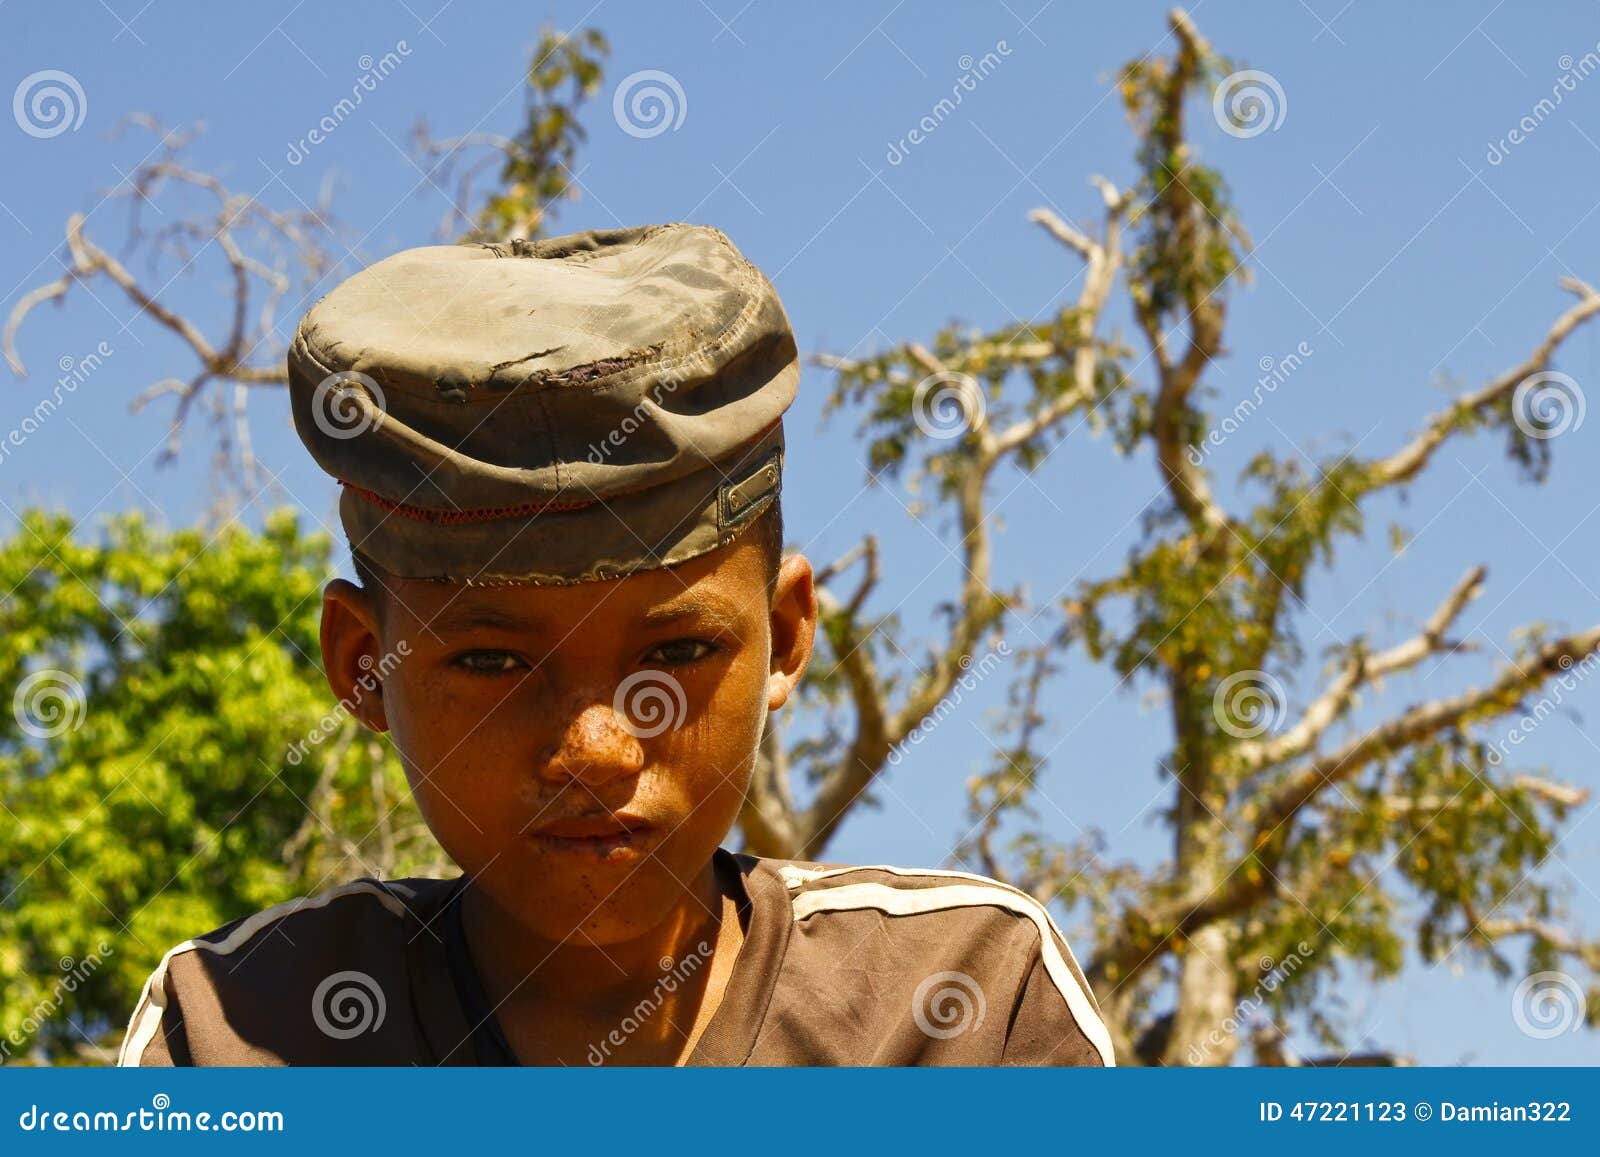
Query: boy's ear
{"points": [[794, 628], [351, 644]]}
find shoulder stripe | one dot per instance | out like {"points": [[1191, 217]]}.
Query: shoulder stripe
{"points": [[797, 877], [147, 1011], [914, 901]]}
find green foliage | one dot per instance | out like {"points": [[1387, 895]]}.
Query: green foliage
{"points": [[537, 169], [162, 762], [1017, 370], [1187, 240]]}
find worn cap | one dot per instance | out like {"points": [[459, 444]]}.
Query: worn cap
{"points": [[553, 411]]}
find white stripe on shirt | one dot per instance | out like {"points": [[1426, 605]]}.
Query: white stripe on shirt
{"points": [[146, 1019], [914, 901]]}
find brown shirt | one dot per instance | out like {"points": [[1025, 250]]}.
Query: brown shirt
{"points": [[840, 966]]}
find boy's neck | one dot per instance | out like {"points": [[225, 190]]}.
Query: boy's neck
{"points": [[573, 989]]}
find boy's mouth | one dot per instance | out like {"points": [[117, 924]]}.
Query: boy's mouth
{"points": [[609, 835]]}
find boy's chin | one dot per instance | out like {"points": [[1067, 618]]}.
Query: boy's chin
{"points": [[599, 910]]}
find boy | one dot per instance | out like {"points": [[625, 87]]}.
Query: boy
{"points": [[561, 463]]}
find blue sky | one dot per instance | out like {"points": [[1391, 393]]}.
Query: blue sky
{"points": [[1400, 239]]}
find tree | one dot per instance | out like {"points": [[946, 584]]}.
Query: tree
{"points": [[1294, 838], [170, 761]]}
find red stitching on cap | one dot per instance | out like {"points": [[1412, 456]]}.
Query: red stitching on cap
{"points": [[452, 517], [491, 513]]}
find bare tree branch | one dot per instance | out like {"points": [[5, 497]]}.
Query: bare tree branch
{"points": [[249, 352], [1104, 260], [1419, 723], [1360, 669], [1561, 794], [1562, 940], [769, 818], [874, 736], [1405, 463]]}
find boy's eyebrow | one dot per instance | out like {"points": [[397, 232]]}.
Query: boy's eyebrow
{"points": [[693, 605], [466, 617]]}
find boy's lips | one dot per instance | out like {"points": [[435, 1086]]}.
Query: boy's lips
{"points": [[609, 835], [593, 825]]}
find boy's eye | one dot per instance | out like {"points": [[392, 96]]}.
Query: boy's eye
{"points": [[488, 662], [681, 651]]}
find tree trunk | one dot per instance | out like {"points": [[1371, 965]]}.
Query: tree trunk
{"points": [[1203, 1028]]}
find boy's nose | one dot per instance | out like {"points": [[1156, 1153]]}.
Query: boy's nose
{"points": [[594, 747]]}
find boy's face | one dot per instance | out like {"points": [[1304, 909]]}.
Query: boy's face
{"points": [[579, 751]]}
